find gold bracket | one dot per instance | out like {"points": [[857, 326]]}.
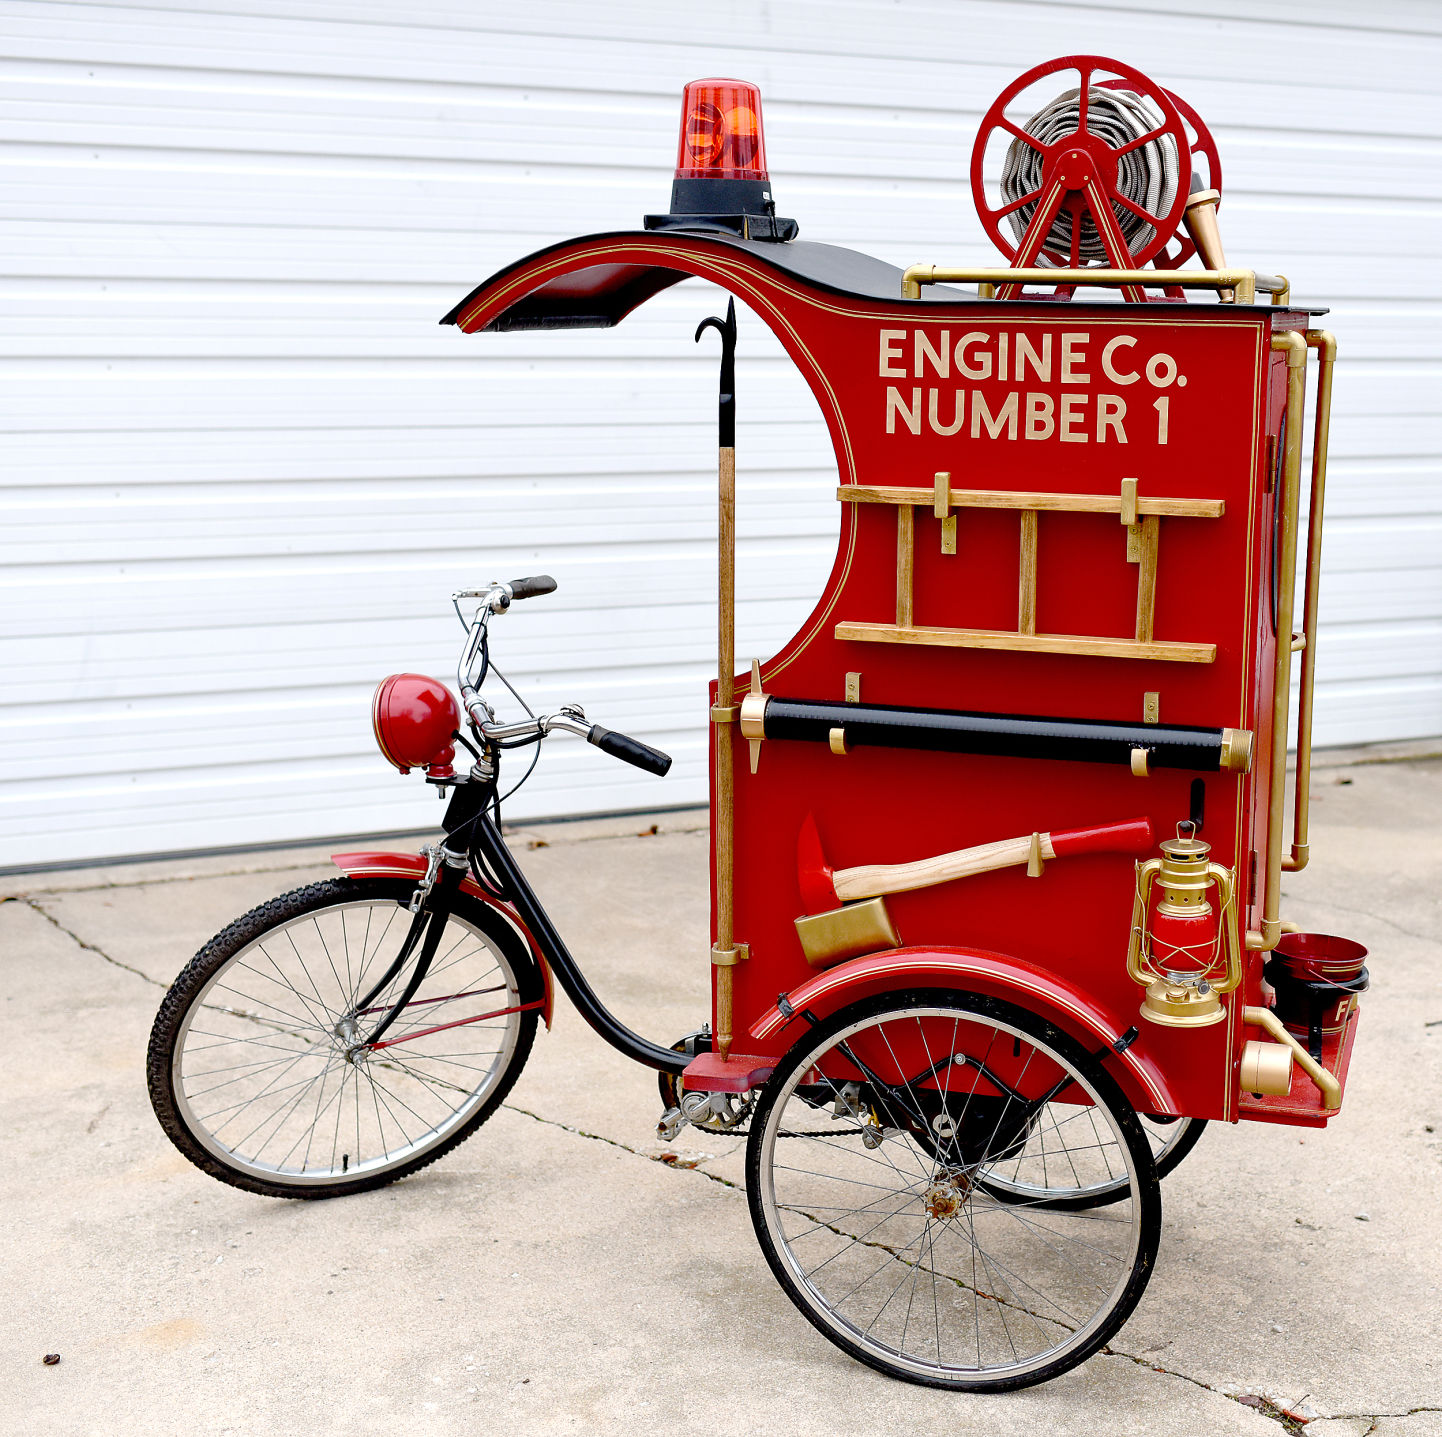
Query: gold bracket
{"points": [[941, 507], [753, 715], [1151, 707], [725, 713], [730, 957], [836, 741], [1139, 763], [1034, 864], [853, 688]]}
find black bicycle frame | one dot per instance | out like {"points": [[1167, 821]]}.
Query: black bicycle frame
{"points": [[469, 816]]}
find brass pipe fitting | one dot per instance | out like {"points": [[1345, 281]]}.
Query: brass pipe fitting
{"points": [[1269, 1023], [1294, 346], [1326, 346], [1266, 1069]]}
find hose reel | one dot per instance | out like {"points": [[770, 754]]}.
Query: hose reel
{"points": [[1109, 173]]}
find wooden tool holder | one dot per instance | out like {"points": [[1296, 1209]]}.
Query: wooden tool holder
{"points": [[1140, 515]]}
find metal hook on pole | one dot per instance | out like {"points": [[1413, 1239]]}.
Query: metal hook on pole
{"points": [[724, 952], [726, 328]]}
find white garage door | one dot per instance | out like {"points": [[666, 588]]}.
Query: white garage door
{"points": [[243, 467]]}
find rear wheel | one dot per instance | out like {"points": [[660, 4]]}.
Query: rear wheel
{"points": [[256, 1071], [868, 1167], [1034, 1176]]}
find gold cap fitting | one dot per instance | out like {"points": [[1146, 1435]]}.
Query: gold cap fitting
{"points": [[1266, 1069], [1181, 1005]]}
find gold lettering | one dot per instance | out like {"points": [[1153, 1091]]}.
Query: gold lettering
{"points": [[891, 366], [940, 358], [1072, 355], [958, 413], [1039, 421], [982, 368], [910, 414], [1026, 354], [1111, 410], [1072, 416], [981, 415], [1109, 369]]}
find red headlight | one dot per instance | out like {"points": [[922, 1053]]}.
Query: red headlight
{"points": [[415, 719]]}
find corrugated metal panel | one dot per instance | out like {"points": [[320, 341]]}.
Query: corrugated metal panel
{"points": [[243, 467]]}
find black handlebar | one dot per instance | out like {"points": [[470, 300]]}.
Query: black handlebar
{"points": [[632, 750], [533, 587]]}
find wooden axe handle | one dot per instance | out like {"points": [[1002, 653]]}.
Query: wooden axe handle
{"points": [[873, 879]]}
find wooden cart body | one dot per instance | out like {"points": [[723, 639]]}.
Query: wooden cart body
{"points": [[1062, 512]]}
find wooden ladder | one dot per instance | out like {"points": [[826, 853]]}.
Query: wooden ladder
{"points": [[1140, 515]]}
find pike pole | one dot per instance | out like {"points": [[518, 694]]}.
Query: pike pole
{"points": [[724, 953]]}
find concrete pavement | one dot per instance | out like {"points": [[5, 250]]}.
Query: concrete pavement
{"points": [[552, 1276]]}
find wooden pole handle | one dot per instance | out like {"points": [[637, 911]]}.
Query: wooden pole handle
{"points": [[871, 880]]}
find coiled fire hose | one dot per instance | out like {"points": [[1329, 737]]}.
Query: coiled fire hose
{"points": [[1146, 175]]}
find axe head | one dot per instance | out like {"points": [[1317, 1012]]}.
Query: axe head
{"points": [[813, 873]]}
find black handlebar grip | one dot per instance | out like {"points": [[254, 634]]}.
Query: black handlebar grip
{"points": [[533, 587], [632, 750]]}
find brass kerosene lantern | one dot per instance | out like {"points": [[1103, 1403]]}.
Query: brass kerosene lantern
{"points": [[1176, 945]]}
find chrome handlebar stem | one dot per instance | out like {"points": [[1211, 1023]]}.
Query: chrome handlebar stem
{"points": [[496, 599]]}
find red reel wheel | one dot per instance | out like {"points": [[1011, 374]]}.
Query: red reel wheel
{"points": [[1079, 174], [1202, 144]]}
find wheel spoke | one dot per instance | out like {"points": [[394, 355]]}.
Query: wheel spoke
{"points": [[282, 1070], [905, 1261]]}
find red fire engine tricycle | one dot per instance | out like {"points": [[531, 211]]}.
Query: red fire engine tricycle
{"points": [[998, 835]]}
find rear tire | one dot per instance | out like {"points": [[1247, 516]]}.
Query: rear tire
{"points": [[251, 1067], [865, 1170]]}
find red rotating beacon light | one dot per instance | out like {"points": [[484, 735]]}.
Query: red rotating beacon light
{"points": [[721, 135], [721, 179]]}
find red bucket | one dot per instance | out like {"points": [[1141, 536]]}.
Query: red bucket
{"points": [[1317, 978]]}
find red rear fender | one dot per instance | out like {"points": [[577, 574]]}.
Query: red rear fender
{"points": [[413, 865], [975, 971]]}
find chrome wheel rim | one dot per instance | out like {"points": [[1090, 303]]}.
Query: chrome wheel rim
{"points": [[265, 1071], [901, 1252]]}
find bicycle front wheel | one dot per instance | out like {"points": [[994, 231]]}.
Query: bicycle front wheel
{"points": [[867, 1175], [254, 1068]]}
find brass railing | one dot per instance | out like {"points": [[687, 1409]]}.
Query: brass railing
{"points": [[1243, 284]]}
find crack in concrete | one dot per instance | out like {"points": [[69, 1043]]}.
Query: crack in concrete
{"points": [[70, 933], [62, 890], [1264, 1407], [1375, 1417], [624, 1147]]}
